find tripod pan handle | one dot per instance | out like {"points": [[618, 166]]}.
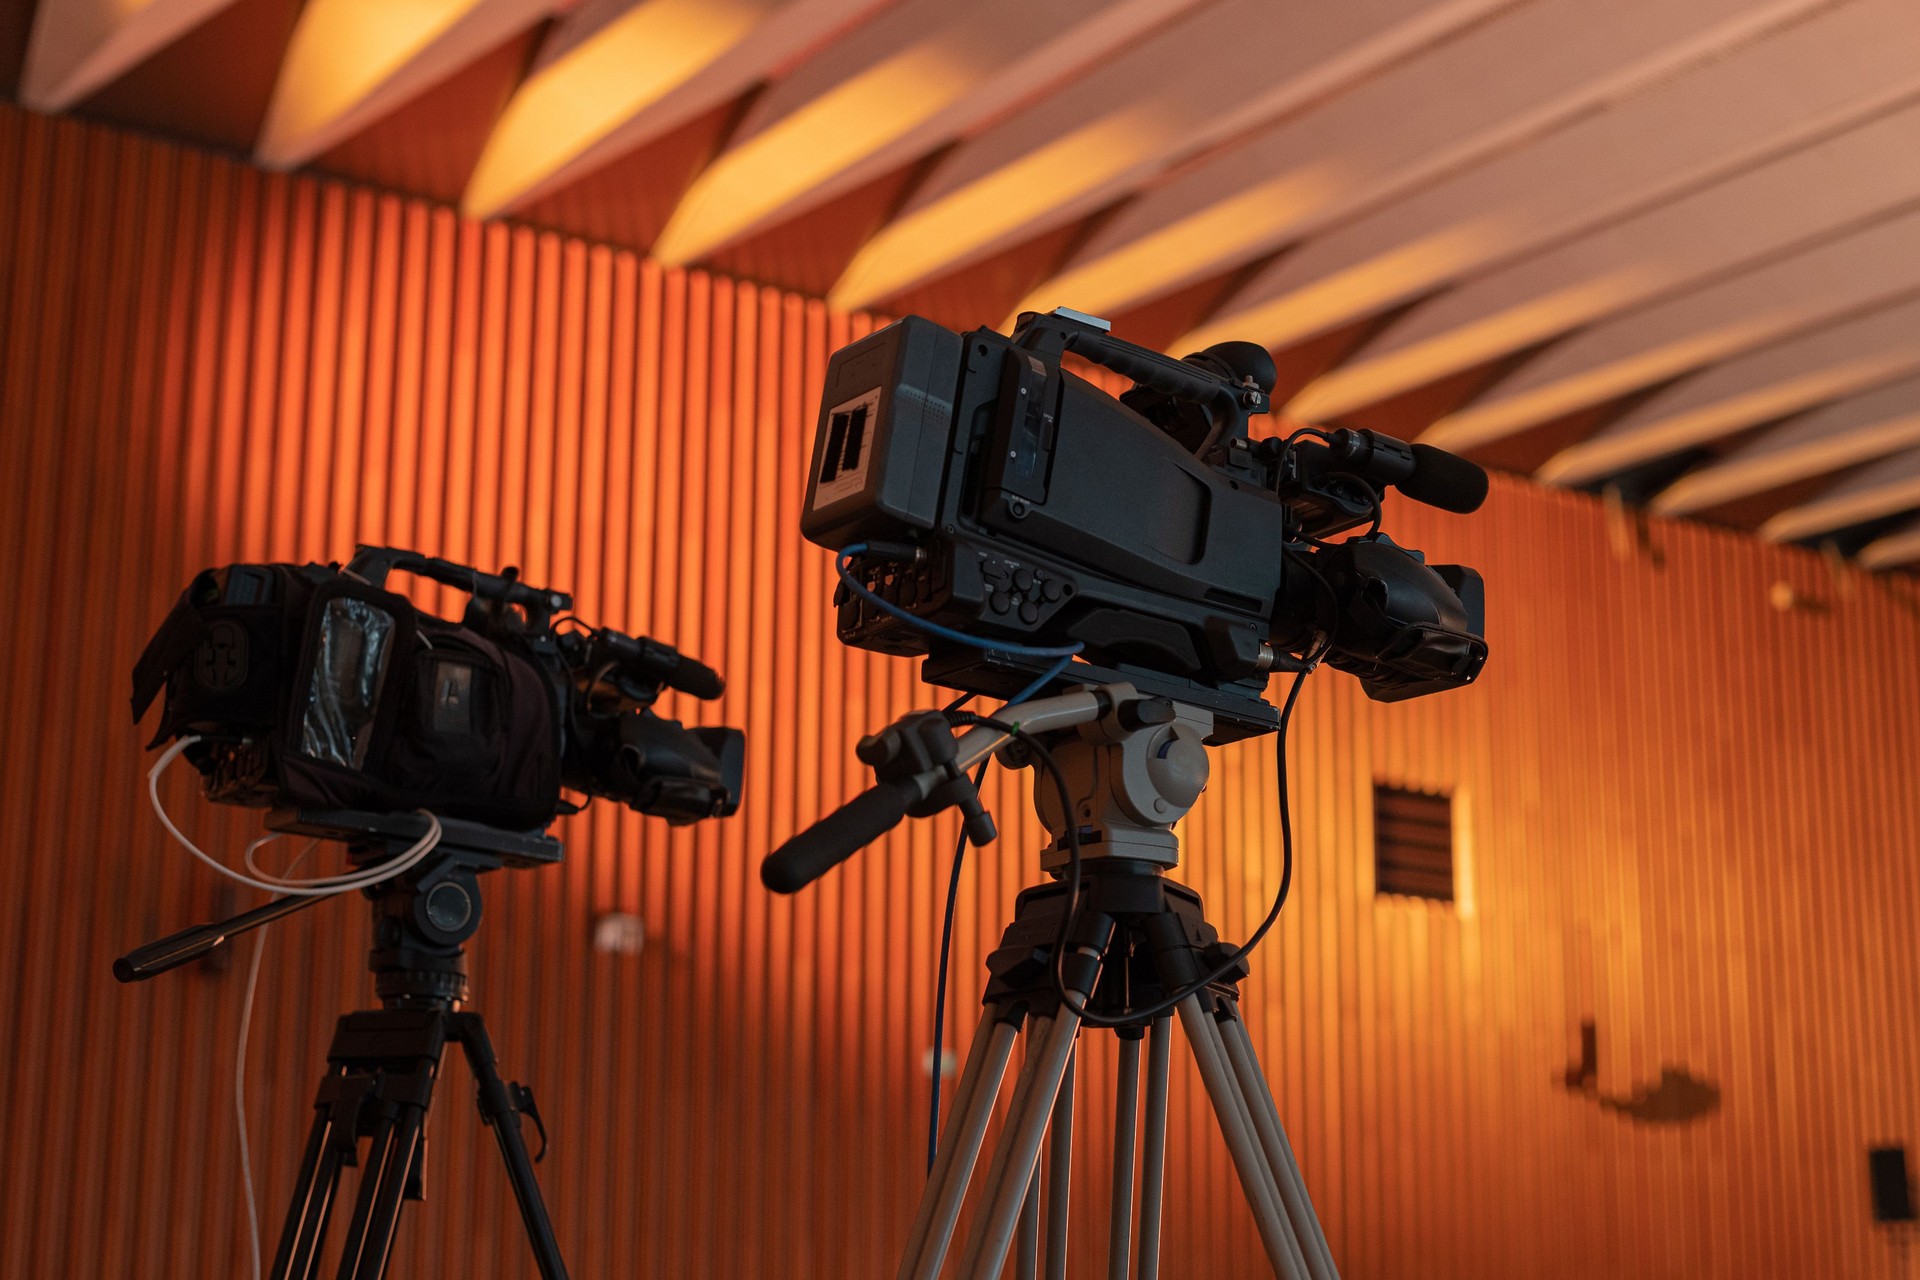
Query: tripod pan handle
{"points": [[190, 944], [835, 838], [168, 953]]}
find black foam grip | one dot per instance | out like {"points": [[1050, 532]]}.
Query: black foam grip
{"points": [[838, 836], [168, 953], [698, 679], [1444, 480]]}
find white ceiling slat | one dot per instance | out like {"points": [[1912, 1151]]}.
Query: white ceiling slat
{"points": [[78, 46], [350, 63], [909, 82], [1787, 377], [616, 74], [1757, 103], [1896, 549], [1879, 491], [1812, 193], [1228, 67], [1496, 85], [1842, 434], [1854, 272]]}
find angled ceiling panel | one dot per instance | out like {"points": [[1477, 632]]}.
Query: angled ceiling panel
{"points": [[916, 78], [1842, 434], [1896, 550], [351, 63], [1737, 224], [617, 74], [428, 145], [1786, 378], [1141, 111], [79, 46], [212, 84], [1781, 92], [1492, 87], [1857, 270], [1873, 493]]}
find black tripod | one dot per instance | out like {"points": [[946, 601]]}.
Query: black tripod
{"points": [[383, 1063]]}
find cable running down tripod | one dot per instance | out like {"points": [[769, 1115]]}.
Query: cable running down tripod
{"points": [[1131, 766]]}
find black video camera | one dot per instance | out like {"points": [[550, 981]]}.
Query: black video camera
{"points": [[981, 487], [312, 687]]}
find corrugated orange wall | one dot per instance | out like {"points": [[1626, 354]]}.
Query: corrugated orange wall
{"points": [[1684, 815]]}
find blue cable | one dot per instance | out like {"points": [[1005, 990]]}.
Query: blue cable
{"points": [[935, 629], [1064, 655]]}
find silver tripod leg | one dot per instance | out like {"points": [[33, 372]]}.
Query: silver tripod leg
{"points": [[1273, 1137], [1026, 1243], [960, 1140], [1019, 1145], [1243, 1143], [1060, 1172], [1153, 1156], [1126, 1109]]}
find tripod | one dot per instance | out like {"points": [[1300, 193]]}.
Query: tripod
{"points": [[1132, 766], [383, 1063]]}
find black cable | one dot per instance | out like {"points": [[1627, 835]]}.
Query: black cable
{"points": [[1071, 917], [940, 985]]}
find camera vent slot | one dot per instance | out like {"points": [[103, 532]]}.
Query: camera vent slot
{"points": [[844, 459], [1412, 843]]}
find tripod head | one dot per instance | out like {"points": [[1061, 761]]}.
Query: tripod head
{"points": [[1133, 765], [441, 892]]}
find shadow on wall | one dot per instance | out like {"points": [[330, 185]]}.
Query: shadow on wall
{"points": [[1679, 1096]]}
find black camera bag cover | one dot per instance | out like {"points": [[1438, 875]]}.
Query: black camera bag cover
{"points": [[332, 694]]}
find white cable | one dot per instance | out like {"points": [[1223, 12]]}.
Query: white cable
{"points": [[240, 1064], [318, 887], [315, 887]]}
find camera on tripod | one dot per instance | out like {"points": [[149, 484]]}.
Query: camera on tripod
{"points": [[985, 488], [1001, 516], [314, 691]]}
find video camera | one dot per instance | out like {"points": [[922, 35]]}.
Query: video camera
{"points": [[977, 485], [312, 687]]}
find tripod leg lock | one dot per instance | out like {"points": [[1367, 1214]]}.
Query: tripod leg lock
{"points": [[522, 1099], [504, 1102]]}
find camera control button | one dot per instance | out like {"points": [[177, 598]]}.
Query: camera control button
{"points": [[999, 602], [1023, 579], [1029, 611], [1050, 589]]}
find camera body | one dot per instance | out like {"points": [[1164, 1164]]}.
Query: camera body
{"points": [[998, 494], [313, 687]]}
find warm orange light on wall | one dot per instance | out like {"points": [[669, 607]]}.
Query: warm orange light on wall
{"points": [[1680, 827]]}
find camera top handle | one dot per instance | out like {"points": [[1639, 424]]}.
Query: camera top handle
{"points": [[490, 591], [1226, 399]]}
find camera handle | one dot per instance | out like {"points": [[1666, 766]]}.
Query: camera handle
{"points": [[919, 777], [1050, 334], [496, 589]]}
